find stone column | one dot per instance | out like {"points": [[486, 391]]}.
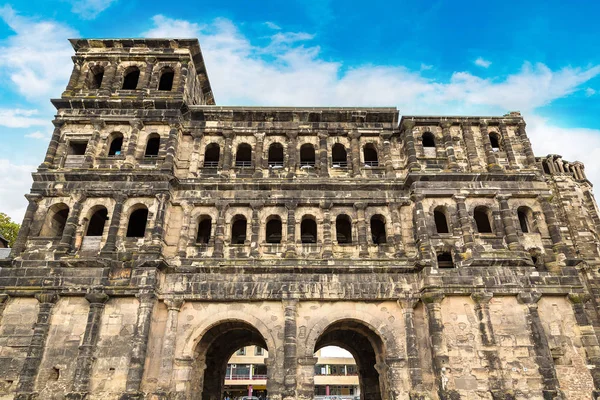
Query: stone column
{"points": [[195, 156], [186, 233], [258, 155], [53, 146], [543, 355], [255, 233], [167, 354], [362, 229], [470, 146], [136, 126], [410, 146], [492, 163], [139, 347], [413, 358], [526, 144], [220, 230], [558, 244], [465, 222], [292, 152], [159, 220], [21, 241], [355, 152], [452, 164], [90, 150], [35, 350], [439, 348], [113, 229], [306, 371], [290, 250], [68, 236], [323, 159], [588, 337], [510, 231], [327, 242], [290, 363], [387, 154], [76, 77], [227, 149], [420, 222], [508, 147], [171, 148], [85, 357], [396, 230], [393, 369]]}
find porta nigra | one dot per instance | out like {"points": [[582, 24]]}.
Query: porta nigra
{"points": [[165, 232]]}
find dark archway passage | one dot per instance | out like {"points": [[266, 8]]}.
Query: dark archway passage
{"points": [[214, 351], [365, 346]]}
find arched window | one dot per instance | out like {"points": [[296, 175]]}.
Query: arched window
{"points": [[308, 230], [428, 139], [273, 229], [95, 77], [132, 76], [238, 230], [211, 155], [136, 228], [243, 155], [524, 214], [482, 219], [55, 222], [343, 229], [97, 222], [444, 260], [495, 141], [204, 228], [370, 153], [116, 144], [307, 155], [339, 156], [378, 233], [166, 79], [441, 222], [275, 155], [153, 145]]}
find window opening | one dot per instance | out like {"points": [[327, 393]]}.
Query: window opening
{"points": [[243, 156], [546, 167], [428, 140], [523, 220], [130, 81], [241, 351], [307, 155], [55, 224], [482, 220], [370, 154], [441, 222], [211, 156], [136, 228], [258, 351], [339, 157], [204, 228], [97, 223], [77, 148], [115, 145], [276, 155], [166, 80], [343, 228], [445, 260], [495, 142], [152, 146], [308, 231], [378, 229], [238, 230], [273, 231], [96, 75]]}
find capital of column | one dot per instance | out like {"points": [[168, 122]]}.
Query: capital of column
{"points": [[307, 361], [432, 297], [47, 298], [96, 297], [503, 197], [446, 124], [529, 298], [354, 135], [119, 197], [291, 205], [483, 126], [408, 304], [415, 197], [260, 135], [360, 206], [145, 298], [33, 197], [228, 133], [98, 124], [58, 123], [326, 205], [175, 125], [481, 298], [291, 134], [459, 198], [174, 304], [408, 125], [136, 124]]}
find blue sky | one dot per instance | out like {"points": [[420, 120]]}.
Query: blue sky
{"points": [[437, 57]]}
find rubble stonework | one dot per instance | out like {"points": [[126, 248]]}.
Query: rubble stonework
{"points": [[164, 232]]}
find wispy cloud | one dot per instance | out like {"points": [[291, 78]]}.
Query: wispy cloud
{"points": [[589, 92], [483, 63], [12, 187], [17, 118], [89, 9], [38, 135], [272, 25]]}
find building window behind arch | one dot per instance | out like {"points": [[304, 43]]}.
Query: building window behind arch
{"points": [[307, 155], [308, 230], [428, 140], [116, 145], [495, 141], [370, 154], [211, 155], [95, 77], [524, 222], [243, 156], [482, 219], [339, 156], [275, 155], [136, 228], [166, 79], [378, 231], [238, 230], [97, 223], [132, 76], [204, 229], [343, 229], [152, 146], [441, 222], [273, 230], [55, 222]]}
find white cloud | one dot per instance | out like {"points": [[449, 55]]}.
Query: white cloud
{"points": [[272, 25], [18, 118], [589, 92], [37, 57], [426, 67], [13, 186], [89, 9], [483, 63], [171, 28], [38, 135]]}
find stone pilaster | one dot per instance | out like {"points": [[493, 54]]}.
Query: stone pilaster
{"points": [[396, 227], [492, 163], [355, 152], [508, 147], [255, 233], [543, 355], [465, 223], [160, 219], [227, 149], [139, 347], [306, 370], [413, 358], [91, 149], [35, 350], [393, 369], [220, 230], [470, 145], [410, 146], [136, 126], [362, 229], [387, 154], [323, 155], [85, 357], [419, 220], [75, 78], [171, 148], [290, 359], [195, 156], [510, 231], [68, 236], [51, 152], [113, 229], [21, 241], [292, 152], [290, 249], [186, 235], [258, 155], [327, 241], [526, 144], [558, 243], [450, 155], [167, 354]]}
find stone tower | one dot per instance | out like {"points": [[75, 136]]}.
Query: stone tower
{"points": [[164, 232]]}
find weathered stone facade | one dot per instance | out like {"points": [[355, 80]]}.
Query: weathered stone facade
{"points": [[164, 232]]}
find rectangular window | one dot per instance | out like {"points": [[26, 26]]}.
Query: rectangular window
{"points": [[241, 352], [77, 148], [258, 351]]}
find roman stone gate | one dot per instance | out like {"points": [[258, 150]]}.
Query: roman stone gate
{"points": [[164, 232]]}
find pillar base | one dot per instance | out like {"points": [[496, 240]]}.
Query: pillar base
{"points": [[132, 396], [418, 395], [502, 394], [553, 395], [76, 396]]}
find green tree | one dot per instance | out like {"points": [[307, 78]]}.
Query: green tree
{"points": [[8, 229]]}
